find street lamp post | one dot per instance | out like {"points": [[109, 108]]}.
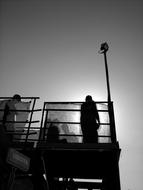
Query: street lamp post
{"points": [[103, 49]]}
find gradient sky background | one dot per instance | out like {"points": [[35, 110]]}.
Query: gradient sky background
{"points": [[49, 48]]}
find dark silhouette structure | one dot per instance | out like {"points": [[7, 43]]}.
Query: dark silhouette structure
{"points": [[54, 134], [52, 160], [9, 114], [89, 120], [11, 166], [58, 160], [80, 160]]}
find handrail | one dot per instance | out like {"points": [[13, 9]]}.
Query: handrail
{"points": [[36, 121], [26, 130], [21, 97], [41, 131], [30, 121], [73, 102], [46, 110], [71, 110], [72, 122]]}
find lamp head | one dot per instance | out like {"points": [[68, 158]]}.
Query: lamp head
{"points": [[104, 47]]}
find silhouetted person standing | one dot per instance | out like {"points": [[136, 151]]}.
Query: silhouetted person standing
{"points": [[9, 114], [6, 139], [89, 120]]}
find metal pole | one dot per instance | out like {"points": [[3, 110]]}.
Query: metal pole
{"points": [[104, 48], [107, 78]]}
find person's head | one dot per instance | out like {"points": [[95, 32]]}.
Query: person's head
{"points": [[88, 98], [16, 98]]}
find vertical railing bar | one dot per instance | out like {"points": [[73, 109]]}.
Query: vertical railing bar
{"points": [[112, 123], [45, 123], [28, 129], [41, 125]]}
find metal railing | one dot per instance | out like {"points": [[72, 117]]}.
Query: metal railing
{"points": [[67, 115], [21, 135]]}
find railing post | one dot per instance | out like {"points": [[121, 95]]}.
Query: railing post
{"points": [[27, 134], [103, 50], [112, 122]]}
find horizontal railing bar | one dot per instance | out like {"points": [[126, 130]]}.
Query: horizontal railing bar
{"points": [[65, 122], [31, 128], [20, 133], [36, 121], [71, 110], [21, 97], [98, 102], [59, 122], [23, 110], [106, 136]]}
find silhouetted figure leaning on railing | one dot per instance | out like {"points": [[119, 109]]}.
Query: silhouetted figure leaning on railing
{"points": [[89, 120], [53, 135]]}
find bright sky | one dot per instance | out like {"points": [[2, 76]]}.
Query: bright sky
{"points": [[49, 48]]}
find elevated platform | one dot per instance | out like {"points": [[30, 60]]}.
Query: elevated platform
{"points": [[77, 160], [72, 159]]}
